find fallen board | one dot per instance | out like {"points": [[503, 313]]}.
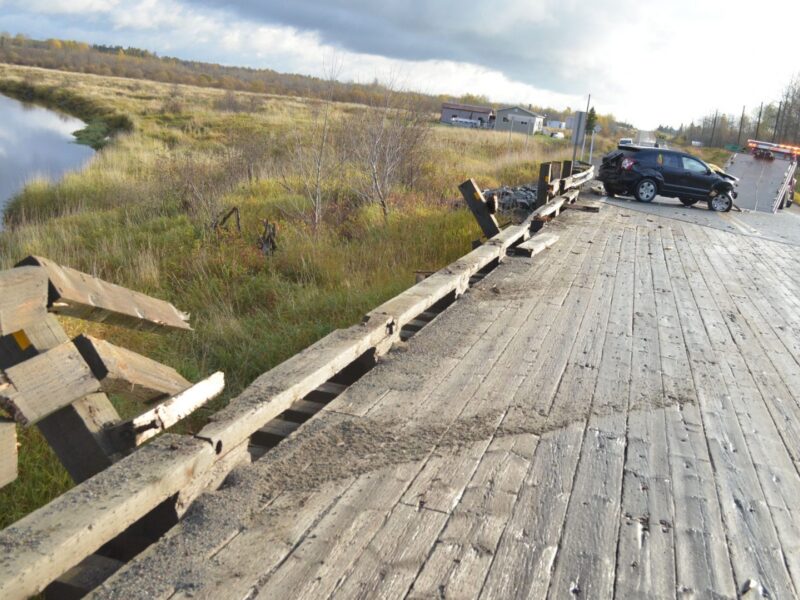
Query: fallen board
{"points": [[80, 295], [535, 245]]}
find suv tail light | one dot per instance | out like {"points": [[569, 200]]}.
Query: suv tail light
{"points": [[627, 164]]}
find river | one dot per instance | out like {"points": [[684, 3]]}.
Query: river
{"points": [[35, 142]]}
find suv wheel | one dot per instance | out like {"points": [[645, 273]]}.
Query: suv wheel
{"points": [[646, 190], [721, 202], [688, 201]]}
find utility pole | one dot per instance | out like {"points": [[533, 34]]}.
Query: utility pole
{"points": [[713, 128], [758, 125], [777, 120], [575, 131], [741, 124]]}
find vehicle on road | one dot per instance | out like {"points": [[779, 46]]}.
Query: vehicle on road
{"points": [[766, 154], [626, 141], [649, 172]]}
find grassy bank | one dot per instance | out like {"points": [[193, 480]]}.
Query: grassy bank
{"points": [[140, 214], [101, 122]]}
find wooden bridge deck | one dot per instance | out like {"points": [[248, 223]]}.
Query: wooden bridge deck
{"points": [[619, 416]]}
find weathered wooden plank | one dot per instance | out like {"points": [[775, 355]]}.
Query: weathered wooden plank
{"points": [[23, 298], [587, 550], [138, 430], [703, 564], [82, 578], [756, 553], [41, 546], [47, 382], [477, 204], [536, 244], [8, 451], [122, 371], [524, 558], [276, 390], [273, 432], [465, 549], [77, 433], [80, 295]]}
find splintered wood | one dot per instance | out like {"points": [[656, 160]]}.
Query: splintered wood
{"points": [[80, 295], [618, 421]]}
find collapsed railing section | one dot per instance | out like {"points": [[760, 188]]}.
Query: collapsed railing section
{"points": [[45, 544]]}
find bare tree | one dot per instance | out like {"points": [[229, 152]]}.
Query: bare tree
{"points": [[311, 160], [385, 142]]}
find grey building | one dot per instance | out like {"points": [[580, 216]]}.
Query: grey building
{"points": [[463, 114], [556, 125], [521, 120]]}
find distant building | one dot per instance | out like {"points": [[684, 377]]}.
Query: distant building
{"points": [[521, 120], [466, 115], [556, 125]]}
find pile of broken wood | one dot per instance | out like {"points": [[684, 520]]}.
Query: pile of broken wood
{"points": [[61, 384]]}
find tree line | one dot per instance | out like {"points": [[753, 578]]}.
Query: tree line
{"points": [[776, 121]]}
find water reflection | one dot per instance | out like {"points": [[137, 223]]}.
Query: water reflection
{"points": [[35, 142]]}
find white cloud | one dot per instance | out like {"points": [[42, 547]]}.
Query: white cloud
{"points": [[644, 61]]}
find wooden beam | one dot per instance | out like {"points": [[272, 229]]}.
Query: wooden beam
{"points": [[23, 298], [543, 189], [147, 425], [82, 578], [8, 451], [477, 204], [535, 245], [45, 383], [80, 295], [127, 373], [77, 433], [49, 541]]}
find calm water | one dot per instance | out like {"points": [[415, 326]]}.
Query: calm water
{"points": [[35, 142]]}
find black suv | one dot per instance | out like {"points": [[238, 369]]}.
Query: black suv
{"points": [[650, 172]]}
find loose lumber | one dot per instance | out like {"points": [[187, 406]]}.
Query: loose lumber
{"points": [[477, 204], [23, 298], [536, 244], [8, 451], [138, 430], [77, 294], [77, 433], [45, 383], [587, 206], [127, 373], [49, 541]]}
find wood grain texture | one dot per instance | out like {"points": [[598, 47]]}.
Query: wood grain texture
{"points": [[80, 295], [23, 298]]}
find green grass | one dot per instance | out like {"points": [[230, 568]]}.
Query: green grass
{"points": [[129, 218]]}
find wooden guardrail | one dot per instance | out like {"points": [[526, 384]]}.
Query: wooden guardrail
{"points": [[45, 544]]}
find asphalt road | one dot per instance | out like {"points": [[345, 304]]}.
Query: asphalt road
{"points": [[783, 226]]}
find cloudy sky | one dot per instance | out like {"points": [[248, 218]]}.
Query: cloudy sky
{"points": [[647, 62]]}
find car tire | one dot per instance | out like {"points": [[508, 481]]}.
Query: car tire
{"points": [[721, 202], [646, 190], [688, 201]]}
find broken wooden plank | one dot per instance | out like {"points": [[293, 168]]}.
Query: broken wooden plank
{"points": [[127, 373], [80, 295], [46, 543], [477, 204], [587, 206], [536, 244], [77, 433], [8, 451], [23, 298], [45, 383], [82, 578], [147, 425]]}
